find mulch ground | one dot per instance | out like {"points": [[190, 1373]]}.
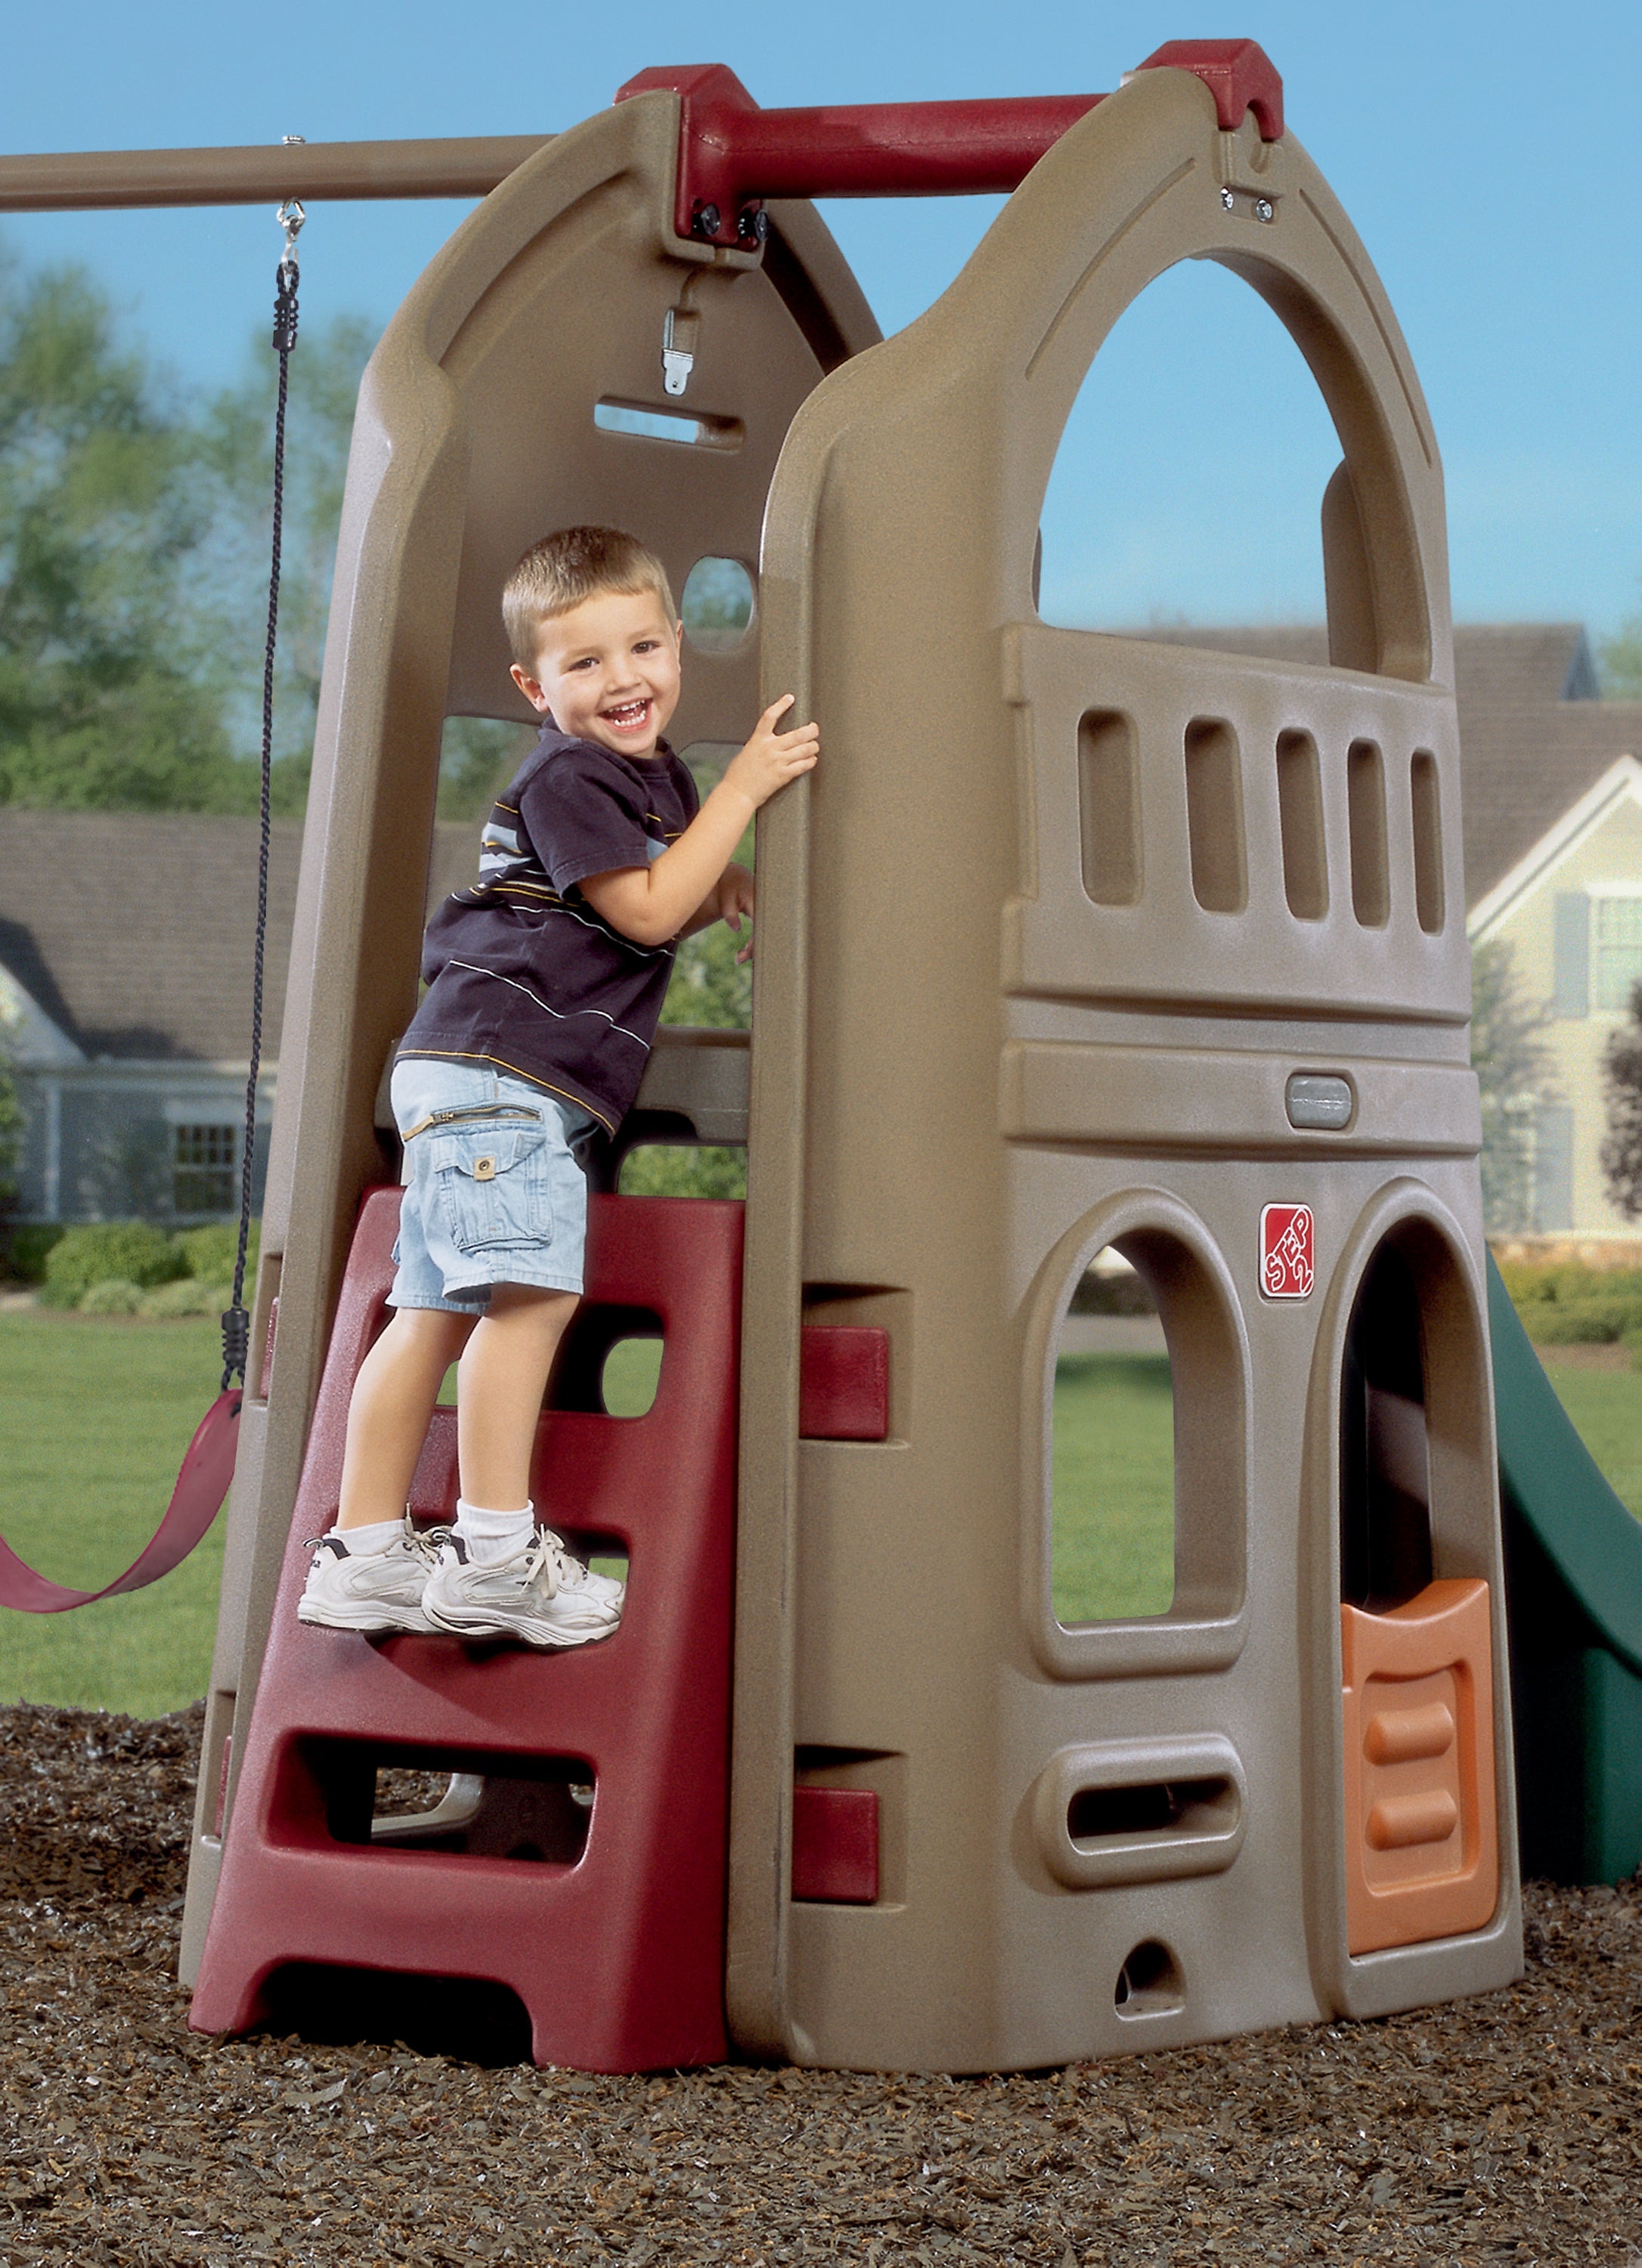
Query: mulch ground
{"points": [[1505, 2128]]}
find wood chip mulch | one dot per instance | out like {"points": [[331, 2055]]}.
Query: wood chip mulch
{"points": [[1508, 2128]]}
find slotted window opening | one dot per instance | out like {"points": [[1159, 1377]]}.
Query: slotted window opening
{"points": [[1214, 816], [1108, 807], [1299, 812], [640, 422], [1365, 804], [1425, 796]]}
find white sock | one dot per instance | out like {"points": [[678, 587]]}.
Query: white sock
{"points": [[493, 1536], [363, 1542]]}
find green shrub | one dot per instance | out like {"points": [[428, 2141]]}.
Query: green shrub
{"points": [[23, 1245], [208, 1252], [186, 1296], [133, 1251], [114, 1295], [1593, 1320]]}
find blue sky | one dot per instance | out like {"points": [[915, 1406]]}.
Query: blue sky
{"points": [[1486, 154]]}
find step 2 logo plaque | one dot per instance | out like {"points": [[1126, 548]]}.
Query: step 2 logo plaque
{"points": [[1286, 1266]]}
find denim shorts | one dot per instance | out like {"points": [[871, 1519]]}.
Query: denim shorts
{"points": [[493, 1190]]}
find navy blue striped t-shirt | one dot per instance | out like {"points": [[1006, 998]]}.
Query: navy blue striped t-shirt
{"points": [[522, 974]]}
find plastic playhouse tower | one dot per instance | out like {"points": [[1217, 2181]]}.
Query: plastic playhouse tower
{"points": [[1086, 942]]}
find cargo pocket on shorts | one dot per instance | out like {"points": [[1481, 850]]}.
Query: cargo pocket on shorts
{"points": [[494, 1186]]}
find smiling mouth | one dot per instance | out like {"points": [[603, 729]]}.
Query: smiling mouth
{"points": [[629, 715]]}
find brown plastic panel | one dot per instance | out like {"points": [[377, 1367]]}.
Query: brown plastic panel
{"points": [[475, 435], [984, 1043]]}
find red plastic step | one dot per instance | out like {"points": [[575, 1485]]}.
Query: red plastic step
{"points": [[609, 1924], [835, 1844], [844, 1382]]}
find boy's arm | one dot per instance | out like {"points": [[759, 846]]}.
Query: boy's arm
{"points": [[652, 904], [729, 897]]}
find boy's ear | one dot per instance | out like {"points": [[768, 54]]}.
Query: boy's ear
{"points": [[531, 687]]}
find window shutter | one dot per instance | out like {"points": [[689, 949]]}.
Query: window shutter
{"points": [[1553, 1164], [1571, 983]]}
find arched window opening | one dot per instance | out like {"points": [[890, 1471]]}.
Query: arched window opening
{"points": [[1186, 497]]}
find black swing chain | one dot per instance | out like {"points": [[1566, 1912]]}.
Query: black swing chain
{"points": [[236, 1322]]}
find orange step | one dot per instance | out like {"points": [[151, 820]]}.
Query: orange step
{"points": [[1422, 1839]]}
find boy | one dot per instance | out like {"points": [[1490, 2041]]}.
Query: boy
{"points": [[545, 985]]}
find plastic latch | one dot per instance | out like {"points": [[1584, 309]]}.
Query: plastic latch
{"points": [[1318, 1103]]}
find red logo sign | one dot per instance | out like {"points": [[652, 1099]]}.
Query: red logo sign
{"points": [[1287, 1269]]}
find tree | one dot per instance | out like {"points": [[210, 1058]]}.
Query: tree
{"points": [[228, 574], [1622, 1081], [1621, 658], [108, 700], [1515, 1073]]}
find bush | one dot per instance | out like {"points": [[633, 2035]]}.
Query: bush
{"points": [[1594, 1321], [114, 1295], [23, 1245], [208, 1252], [129, 1251], [186, 1296]]}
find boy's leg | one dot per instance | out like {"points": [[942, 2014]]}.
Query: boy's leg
{"points": [[368, 1573], [392, 1408], [499, 1575], [501, 1383]]}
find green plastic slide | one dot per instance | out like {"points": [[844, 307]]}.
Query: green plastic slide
{"points": [[1574, 1575]]}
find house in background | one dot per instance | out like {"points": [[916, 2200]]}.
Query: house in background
{"points": [[126, 941], [126, 947], [1551, 783]]}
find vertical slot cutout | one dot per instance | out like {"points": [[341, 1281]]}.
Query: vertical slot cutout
{"points": [[1112, 1547], [1385, 1478], [1299, 811], [1366, 800], [1425, 796], [1108, 807], [1145, 1449], [1214, 816]]}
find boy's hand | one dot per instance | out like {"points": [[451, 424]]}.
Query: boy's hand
{"points": [[735, 899], [771, 759]]}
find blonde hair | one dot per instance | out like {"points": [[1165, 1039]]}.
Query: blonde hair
{"points": [[569, 566]]}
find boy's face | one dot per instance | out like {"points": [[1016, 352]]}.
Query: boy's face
{"points": [[607, 670]]}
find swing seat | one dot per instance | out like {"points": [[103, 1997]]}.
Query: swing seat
{"points": [[208, 1470]]}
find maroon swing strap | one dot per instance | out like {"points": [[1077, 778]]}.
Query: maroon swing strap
{"points": [[201, 1485], [207, 1466]]}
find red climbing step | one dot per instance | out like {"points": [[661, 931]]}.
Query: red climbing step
{"points": [[579, 1857]]}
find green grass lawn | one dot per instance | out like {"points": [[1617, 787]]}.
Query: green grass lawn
{"points": [[95, 1414], [1114, 1527], [1606, 1406]]}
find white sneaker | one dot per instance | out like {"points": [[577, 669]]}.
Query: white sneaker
{"points": [[540, 1596], [372, 1591]]}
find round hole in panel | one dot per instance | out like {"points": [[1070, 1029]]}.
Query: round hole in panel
{"points": [[1149, 1983], [716, 605]]}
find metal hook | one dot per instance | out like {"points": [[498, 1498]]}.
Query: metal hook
{"points": [[290, 218]]}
